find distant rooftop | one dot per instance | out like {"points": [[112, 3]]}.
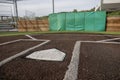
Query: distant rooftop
{"points": [[111, 1], [111, 7]]}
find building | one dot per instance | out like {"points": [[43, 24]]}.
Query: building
{"points": [[111, 5]]}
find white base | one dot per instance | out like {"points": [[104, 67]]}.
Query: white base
{"points": [[49, 55]]}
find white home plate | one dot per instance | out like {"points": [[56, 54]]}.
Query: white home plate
{"points": [[49, 54]]}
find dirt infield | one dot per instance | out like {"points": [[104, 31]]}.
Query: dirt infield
{"points": [[115, 40], [75, 36], [99, 61], [26, 69], [10, 38], [14, 48]]}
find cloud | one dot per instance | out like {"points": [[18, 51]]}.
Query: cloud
{"points": [[44, 7], [40, 8], [69, 5]]}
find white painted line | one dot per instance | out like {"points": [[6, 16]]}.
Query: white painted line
{"points": [[102, 42], [108, 40], [21, 53], [96, 35], [33, 40], [31, 37], [72, 72], [10, 42]]}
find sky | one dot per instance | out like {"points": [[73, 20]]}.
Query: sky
{"points": [[44, 7]]}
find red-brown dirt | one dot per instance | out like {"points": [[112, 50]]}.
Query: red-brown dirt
{"points": [[10, 38], [99, 61], [27, 69], [74, 36], [14, 48]]}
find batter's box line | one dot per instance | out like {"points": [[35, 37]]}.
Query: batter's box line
{"points": [[100, 42], [72, 72], [108, 40], [33, 38], [10, 42], [30, 37], [22, 53]]}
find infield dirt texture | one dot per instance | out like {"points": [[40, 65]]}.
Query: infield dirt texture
{"points": [[97, 60]]}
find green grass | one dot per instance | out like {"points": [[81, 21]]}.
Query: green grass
{"points": [[19, 33], [52, 32], [114, 14]]}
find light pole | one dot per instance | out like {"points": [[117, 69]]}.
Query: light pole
{"points": [[101, 3], [15, 8], [53, 6], [16, 11]]}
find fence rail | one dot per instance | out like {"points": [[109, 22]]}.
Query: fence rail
{"points": [[113, 24], [33, 25]]}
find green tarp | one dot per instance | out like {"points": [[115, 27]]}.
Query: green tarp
{"points": [[57, 21], [78, 21], [100, 21], [53, 22], [75, 21], [70, 21], [89, 21], [61, 21]]}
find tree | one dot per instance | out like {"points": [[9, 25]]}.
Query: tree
{"points": [[75, 10]]}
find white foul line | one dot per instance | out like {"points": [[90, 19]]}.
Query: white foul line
{"points": [[108, 40], [10, 42], [21, 53], [100, 42], [31, 37], [33, 40], [72, 72]]}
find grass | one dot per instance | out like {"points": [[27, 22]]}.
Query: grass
{"points": [[114, 14], [17, 33], [52, 32]]}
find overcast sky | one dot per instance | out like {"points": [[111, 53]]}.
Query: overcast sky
{"points": [[44, 7]]}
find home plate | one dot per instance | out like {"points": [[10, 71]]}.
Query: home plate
{"points": [[49, 55]]}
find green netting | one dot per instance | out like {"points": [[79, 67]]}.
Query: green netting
{"points": [[95, 21], [75, 21], [79, 21], [100, 20], [70, 21], [53, 22], [61, 21], [57, 22], [89, 21]]}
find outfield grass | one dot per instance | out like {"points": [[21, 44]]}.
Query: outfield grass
{"points": [[52, 32]]}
